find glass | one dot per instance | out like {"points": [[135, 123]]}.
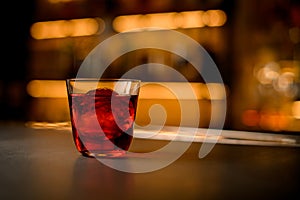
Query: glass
{"points": [[102, 114]]}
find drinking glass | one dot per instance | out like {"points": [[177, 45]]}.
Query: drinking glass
{"points": [[102, 114]]}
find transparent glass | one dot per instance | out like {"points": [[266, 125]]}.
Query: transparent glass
{"points": [[102, 114]]}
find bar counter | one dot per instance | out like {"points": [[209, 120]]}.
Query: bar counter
{"points": [[44, 164]]}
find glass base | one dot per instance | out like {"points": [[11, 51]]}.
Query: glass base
{"points": [[103, 154]]}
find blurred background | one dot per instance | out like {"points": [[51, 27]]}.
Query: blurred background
{"points": [[255, 44]]}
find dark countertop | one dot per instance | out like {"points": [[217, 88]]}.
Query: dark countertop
{"points": [[44, 164]]}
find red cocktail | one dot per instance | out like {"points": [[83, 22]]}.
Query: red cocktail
{"points": [[102, 121]]}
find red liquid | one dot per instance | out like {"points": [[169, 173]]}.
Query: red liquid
{"points": [[102, 122]]}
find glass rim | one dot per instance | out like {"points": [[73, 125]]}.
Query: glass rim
{"points": [[104, 79]]}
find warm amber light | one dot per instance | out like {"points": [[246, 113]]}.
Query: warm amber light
{"points": [[59, 1], [161, 20], [130, 22], [273, 121], [296, 109], [67, 28], [214, 18], [47, 89], [83, 27], [149, 90], [167, 90], [171, 20], [192, 19], [250, 117]]}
